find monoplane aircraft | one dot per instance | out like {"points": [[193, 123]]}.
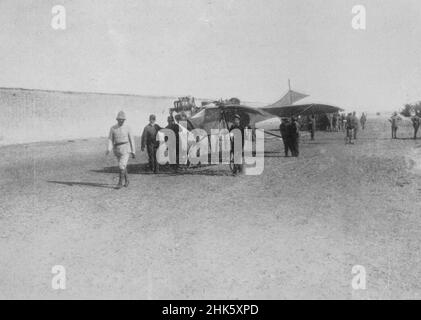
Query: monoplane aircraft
{"points": [[218, 115]]}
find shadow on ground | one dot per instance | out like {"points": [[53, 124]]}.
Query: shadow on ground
{"points": [[86, 184], [205, 170]]}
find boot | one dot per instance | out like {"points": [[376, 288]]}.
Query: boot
{"points": [[126, 178], [120, 180]]}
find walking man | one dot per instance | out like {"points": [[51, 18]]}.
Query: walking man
{"points": [[149, 141], [120, 140], [283, 128]]}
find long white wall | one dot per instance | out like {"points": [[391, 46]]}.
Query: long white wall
{"points": [[33, 115]]}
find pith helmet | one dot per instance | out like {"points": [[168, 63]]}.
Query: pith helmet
{"points": [[121, 116]]}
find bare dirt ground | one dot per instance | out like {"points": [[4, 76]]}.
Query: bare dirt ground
{"points": [[295, 231]]}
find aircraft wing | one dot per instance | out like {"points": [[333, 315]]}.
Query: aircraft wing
{"points": [[218, 117], [301, 110]]}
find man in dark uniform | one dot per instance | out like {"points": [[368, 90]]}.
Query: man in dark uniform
{"points": [[312, 126], [176, 129], [283, 128], [238, 168], [294, 134], [355, 124], [149, 141]]}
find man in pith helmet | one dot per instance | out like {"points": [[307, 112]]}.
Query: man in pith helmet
{"points": [[122, 143]]}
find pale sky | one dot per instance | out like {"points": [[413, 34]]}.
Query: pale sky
{"points": [[214, 48]]}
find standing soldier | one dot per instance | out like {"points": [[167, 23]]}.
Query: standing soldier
{"points": [[363, 120], [416, 121], [238, 168], [394, 124], [284, 134], [294, 134], [312, 126], [349, 124], [355, 124], [336, 122], [149, 141], [176, 129], [342, 122], [330, 118], [120, 140]]}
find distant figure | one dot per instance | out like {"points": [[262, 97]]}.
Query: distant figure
{"points": [[120, 140], [238, 168], [294, 136], [330, 118], [342, 122], [149, 141], [394, 119], [363, 120], [349, 128], [283, 128], [416, 121], [355, 124], [312, 126], [336, 122]]}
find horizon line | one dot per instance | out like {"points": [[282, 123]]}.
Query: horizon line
{"points": [[115, 94]]}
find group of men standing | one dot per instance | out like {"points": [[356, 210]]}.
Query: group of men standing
{"points": [[395, 119], [290, 133], [121, 141], [352, 125]]}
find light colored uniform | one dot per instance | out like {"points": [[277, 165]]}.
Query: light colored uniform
{"points": [[121, 141]]}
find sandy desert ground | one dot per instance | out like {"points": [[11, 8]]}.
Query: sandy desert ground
{"points": [[295, 231]]}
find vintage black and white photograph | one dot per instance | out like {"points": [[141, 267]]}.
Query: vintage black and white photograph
{"points": [[210, 150]]}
